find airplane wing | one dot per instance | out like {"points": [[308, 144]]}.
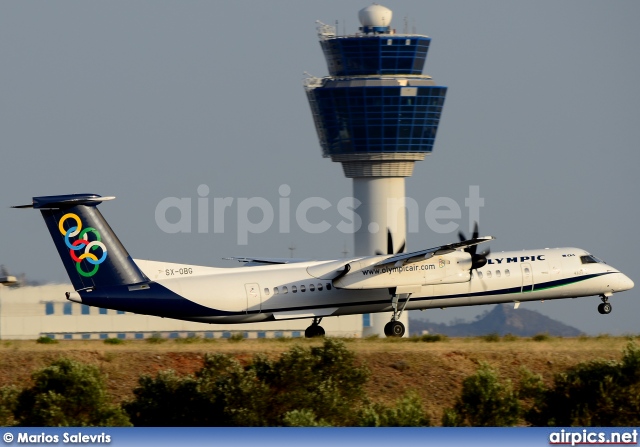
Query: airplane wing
{"points": [[263, 261], [417, 256]]}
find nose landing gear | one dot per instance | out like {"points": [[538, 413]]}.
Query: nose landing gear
{"points": [[604, 308]]}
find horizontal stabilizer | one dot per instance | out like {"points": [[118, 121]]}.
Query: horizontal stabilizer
{"points": [[65, 201]]}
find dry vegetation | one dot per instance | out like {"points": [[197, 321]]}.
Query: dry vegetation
{"points": [[434, 370]]}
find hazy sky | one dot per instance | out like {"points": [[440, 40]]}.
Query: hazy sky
{"points": [[151, 99]]}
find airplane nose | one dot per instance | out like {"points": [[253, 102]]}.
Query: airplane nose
{"points": [[624, 283]]}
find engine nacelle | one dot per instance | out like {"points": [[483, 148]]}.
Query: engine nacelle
{"points": [[444, 269]]}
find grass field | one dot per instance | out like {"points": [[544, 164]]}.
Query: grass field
{"points": [[434, 370]]}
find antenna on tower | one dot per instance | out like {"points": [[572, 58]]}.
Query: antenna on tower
{"points": [[345, 252], [406, 25]]}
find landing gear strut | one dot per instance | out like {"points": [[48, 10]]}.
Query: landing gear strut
{"points": [[315, 330], [395, 328], [604, 308]]}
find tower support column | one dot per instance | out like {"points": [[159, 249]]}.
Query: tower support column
{"points": [[382, 210]]}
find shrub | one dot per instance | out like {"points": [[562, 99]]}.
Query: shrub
{"points": [[8, 403], [324, 379], [597, 393], [315, 386], [188, 340], [67, 393], [541, 337], [155, 338], [432, 338], [46, 340], [303, 418], [113, 341], [492, 337], [236, 337], [408, 412], [510, 337], [484, 402], [166, 400]]}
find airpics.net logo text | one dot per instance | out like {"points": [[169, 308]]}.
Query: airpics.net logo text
{"points": [[257, 215]]}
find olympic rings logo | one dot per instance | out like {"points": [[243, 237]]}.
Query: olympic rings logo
{"points": [[82, 243]]}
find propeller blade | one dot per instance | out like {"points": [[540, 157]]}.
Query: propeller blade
{"points": [[389, 243], [401, 249], [478, 260], [476, 231]]}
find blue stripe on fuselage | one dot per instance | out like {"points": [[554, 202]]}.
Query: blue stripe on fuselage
{"points": [[155, 300]]}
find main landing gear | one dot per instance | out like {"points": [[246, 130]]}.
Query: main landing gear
{"points": [[315, 330], [604, 308], [395, 328]]}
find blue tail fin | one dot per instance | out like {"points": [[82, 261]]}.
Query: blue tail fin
{"points": [[90, 250]]}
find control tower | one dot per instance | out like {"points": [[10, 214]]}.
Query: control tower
{"points": [[377, 114]]}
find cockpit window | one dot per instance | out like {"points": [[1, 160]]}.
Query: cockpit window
{"points": [[590, 259]]}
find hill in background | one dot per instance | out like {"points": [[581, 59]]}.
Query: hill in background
{"points": [[502, 319]]}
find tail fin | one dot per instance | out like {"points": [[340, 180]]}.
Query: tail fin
{"points": [[90, 250]]}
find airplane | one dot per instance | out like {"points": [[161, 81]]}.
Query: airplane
{"points": [[104, 275]]}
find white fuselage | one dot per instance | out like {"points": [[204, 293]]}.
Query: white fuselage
{"points": [[309, 289]]}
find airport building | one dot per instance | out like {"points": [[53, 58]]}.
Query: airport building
{"points": [[376, 114]]}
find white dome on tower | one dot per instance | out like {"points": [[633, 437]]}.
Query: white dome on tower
{"points": [[375, 16]]}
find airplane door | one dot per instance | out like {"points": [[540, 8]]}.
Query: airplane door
{"points": [[254, 300], [527, 277]]}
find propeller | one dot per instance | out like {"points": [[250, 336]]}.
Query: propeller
{"points": [[478, 260], [390, 250]]}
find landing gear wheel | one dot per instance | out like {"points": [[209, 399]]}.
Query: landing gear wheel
{"points": [[394, 329], [315, 330], [604, 308]]}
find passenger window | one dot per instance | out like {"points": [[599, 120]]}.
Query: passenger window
{"points": [[284, 289], [303, 289], [294, 289], [311, 288], [266, 291], [507, 273], [526, 270], [328, 286], [319, 287], [489, 274], [498, 274], [275, 291]]}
